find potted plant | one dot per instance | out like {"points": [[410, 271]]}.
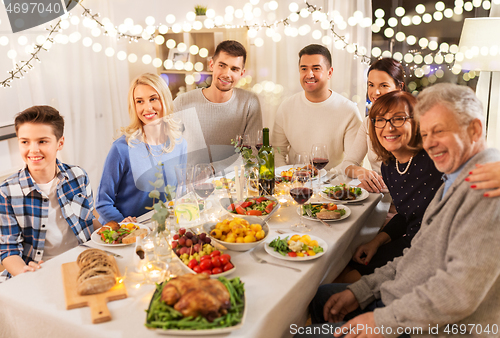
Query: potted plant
{"points": [[200, 10], [162, 211]]}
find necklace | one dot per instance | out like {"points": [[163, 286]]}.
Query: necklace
{"points": [[407, 166]]}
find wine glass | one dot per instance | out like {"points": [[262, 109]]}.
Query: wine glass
{"points": [[258, 140], [245, 142], [319, 156], [203, 181], [301, 160], [301, 193]]}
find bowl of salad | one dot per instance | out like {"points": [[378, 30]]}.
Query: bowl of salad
{"points": [[258, 206]]}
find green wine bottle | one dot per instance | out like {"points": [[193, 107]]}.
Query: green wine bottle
{"points": [[266, 166]]}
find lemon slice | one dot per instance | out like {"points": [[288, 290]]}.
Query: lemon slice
{"points": [[189, 212]]}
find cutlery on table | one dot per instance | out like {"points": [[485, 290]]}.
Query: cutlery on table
{"points": [[309, 213], [262, 261], [108, 252]]}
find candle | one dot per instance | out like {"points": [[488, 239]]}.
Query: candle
{"points": [[236, 182]]}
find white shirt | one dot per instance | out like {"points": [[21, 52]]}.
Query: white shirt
{"points": [[362, 146], [301, 123], [58, 237]]}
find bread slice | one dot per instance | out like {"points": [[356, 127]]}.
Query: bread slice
{"points": [[130, 238]]}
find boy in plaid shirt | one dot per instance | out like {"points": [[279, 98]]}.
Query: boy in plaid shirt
{"points": [[45, 208]]}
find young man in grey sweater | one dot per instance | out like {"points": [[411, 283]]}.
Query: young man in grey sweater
{"points": [[448, 282], [222, 110]]}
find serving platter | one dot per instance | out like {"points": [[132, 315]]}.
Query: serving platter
{"points": [[96, 238], [276, 254], [205, 332]]}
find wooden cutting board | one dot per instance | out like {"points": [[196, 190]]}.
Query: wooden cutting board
{"points": [[99, 311]]}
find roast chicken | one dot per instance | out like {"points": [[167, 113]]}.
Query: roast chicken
{"points": [[197, 295]]}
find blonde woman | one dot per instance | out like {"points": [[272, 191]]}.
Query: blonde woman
{"points": [[151, 143]]}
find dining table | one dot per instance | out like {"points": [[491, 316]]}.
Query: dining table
{"points": [[33, 304]]}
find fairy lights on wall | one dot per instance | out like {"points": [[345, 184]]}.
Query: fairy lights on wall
{"points": [[326, 29]]}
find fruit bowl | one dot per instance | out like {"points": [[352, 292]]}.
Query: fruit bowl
{"points": [[209, 226]]}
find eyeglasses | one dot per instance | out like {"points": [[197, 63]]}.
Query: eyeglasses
{"points": [[396, 121]]}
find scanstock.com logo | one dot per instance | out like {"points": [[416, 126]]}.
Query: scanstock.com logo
{"points": [[26, 14]]}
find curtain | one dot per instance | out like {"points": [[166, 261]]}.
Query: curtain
{"points": [[483, 90]]}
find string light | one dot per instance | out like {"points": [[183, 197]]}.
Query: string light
{"points": [[21, 68]]}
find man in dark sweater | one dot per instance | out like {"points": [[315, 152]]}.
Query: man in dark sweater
{"points": [[448, 282]]}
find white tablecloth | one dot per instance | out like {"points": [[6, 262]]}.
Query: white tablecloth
{"points": [[33, 304]]}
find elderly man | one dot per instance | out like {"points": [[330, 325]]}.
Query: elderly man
{"points": [[448, 282]]}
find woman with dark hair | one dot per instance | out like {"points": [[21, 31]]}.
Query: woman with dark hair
{"points": [[384, 76], [408, 173]]}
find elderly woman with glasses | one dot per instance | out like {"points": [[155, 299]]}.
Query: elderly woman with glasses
{"points": [[409, 174]]}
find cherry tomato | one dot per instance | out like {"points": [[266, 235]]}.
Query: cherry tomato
{"points": [[215, 253], [192, 263], [197, 269], [208, 272], [224, 259], [260, 199], [332, 206], [292, 254], [254, 212], [216, 262], [205, 257], [206, 264], [231, 207], [228, 267], [216, 271]]}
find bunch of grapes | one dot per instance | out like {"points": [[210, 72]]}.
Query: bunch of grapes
{"points": [[188, 245]]}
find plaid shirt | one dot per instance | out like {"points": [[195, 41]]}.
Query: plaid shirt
{"points": [[24, 212]]}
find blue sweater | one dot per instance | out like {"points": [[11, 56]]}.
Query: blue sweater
{"points": [[124, 187]]}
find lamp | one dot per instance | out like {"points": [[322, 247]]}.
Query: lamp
{"points": [[480, 45]]}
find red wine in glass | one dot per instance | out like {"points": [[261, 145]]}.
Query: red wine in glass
{"points": [[204, 189], [258, 146], [320, 163], [301, 194], [303, 176]]}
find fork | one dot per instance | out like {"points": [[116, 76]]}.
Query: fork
{"points": [[260, 260], [309, 213]]}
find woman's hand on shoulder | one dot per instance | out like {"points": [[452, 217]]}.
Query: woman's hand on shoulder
{"points": [[486, 176]]}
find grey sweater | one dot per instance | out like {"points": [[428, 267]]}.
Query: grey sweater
{"points": [[451, 273], [221, 122]]}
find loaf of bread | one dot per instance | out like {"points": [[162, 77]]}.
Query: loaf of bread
{"points": [[130, 238], [97, 274]]}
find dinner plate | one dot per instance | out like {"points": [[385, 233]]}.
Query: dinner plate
{"points": [[96, 238], [276, 254], [339, 206], [279, 170], [364, 195]]}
